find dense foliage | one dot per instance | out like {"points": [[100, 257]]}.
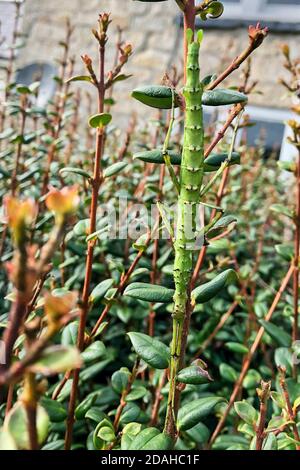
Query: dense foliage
{"points": [[95, 355]]}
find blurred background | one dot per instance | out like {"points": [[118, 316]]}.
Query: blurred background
{"points": [[154, 30]]}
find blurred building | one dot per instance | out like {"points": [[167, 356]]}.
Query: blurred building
{"points": [[155, 31]]}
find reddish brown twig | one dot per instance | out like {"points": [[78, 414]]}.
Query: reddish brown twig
{"points": [[256, 37], [158, 398], [96, 183], [263, 395], [125, 393]]}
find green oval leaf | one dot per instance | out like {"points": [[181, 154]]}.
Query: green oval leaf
{"points": [[228, 373], [277, 333], [137, 392], [79, 78], [237, 347], [221, 225], [130, 431], [286, 251], [155, 96], [151, 439], [23, 89], [210, 289], [192, 413], [114, 169], [143, 438], [56, 359], [215, 160], [121, 78], [56, 411], [246, 412], [17, 425], [194, 375], [100, 120], [214, 10], [119, 380], [156, 156], [211, 163], [283, 210], [159, 442], [106, 434], [86, 404], [130, 413], [98, 293], [94, 351], [149, 292], [153, 352], [220, 97], [76, 171]]}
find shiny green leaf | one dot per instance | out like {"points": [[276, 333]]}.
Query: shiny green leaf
{"points": [[100, 120], [210, 289], [153, 352], [156, 96], [193, 412], [149, 292]]}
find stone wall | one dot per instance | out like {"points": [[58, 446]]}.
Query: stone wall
{"points": [[156, 39]]}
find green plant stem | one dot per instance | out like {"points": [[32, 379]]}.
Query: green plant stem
{"points": [[189, 18], [191, 176], [96, 183]]}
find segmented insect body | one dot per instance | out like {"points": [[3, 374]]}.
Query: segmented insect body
{"points": [[191, 176]]}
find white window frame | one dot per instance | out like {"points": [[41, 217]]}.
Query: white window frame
{"points": [[4, 46], [270, 115], [260, 10]]}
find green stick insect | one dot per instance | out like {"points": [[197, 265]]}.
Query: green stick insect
{"points": [[191, 176], [190, 192]]}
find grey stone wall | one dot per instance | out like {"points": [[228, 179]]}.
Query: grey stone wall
{"points": [[156, 39]]}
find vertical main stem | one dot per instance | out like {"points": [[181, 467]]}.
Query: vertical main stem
{"points": [[191, 175], [96, 183]]}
